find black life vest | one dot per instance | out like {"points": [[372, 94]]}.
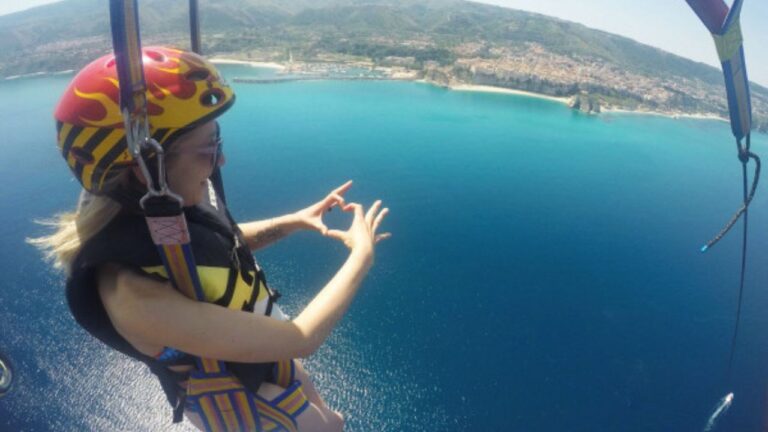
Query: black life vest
{"points": [[228, 273]]}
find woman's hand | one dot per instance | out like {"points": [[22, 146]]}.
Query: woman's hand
{"points": [[312, 216], [361, 235]]}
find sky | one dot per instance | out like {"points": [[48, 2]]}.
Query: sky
{"points": [[666, 24], [10, 6]]}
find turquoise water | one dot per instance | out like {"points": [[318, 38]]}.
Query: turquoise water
{"points": [[543, 272]]}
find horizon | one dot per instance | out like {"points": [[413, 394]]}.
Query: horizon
{"points": [[675, 27]]}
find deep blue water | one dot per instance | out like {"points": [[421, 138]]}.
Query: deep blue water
{"points": [[543, 274]]}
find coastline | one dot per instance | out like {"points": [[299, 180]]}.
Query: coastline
{"points": [[503, 90], [38, 74], [567, 101], [258, 64], [672, 115], [398, 75]]}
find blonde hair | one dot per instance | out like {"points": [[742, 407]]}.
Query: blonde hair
{"points": [[72, 229]]}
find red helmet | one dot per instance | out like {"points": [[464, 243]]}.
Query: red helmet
{"points": [[183, 91]]}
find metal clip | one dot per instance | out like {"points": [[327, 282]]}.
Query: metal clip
{"points": [[138, 138], [160, 189]]}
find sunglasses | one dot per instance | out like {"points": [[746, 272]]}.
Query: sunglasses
{"points": [[214, 149]]}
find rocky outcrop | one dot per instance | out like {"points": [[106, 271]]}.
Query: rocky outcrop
{"points": [[439, 76], [585, 103]]}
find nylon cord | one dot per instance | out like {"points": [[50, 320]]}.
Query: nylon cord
{"points": [[741, 277], [743, 207], [744, 156]]}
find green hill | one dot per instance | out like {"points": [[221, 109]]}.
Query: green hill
{"points": [[449, 40]]}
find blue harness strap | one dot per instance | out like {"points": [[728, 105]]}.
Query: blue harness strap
{"points": [[730, 50]]}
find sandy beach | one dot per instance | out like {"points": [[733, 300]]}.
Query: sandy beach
{"points": [[604, 110], [249, 63], [491, 89]]}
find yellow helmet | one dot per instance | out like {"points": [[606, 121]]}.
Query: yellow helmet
{"points": [[183, 91]]}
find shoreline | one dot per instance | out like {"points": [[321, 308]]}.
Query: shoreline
{"points": [[402, 76], [504, 90], [37, 74], [672, 115], [567, 101], [256, 64]]}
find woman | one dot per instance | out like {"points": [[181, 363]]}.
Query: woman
{"points": [[117, 287]]}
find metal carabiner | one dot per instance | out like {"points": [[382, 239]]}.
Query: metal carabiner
{"points": [[138, 138], [161, 189]]}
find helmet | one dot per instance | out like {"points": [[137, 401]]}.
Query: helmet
{"points": [[183, 91]]}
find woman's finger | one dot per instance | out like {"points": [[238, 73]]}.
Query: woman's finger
{"points": [[337, 234], [332, 200], [343, 188], [372, 212], [379, 218], [382, 236], [358, 208]]}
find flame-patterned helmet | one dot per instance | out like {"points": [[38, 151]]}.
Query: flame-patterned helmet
{"points": [[183, 91]]}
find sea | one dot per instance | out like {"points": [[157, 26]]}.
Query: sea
{"points": [[544, 271]]}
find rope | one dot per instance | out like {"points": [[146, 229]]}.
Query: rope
{"points": [[741, 277], [744, 155]]}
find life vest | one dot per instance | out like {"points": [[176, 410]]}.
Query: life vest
{"points": [[229, 277]]}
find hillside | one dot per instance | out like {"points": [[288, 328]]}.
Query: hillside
{"points": [[447, 41]]}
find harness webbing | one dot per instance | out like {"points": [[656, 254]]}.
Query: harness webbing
{"points": [[225, 405], [126, 40], [171, 235]]}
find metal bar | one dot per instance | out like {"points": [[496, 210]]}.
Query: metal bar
{"points": [[194, 27]]}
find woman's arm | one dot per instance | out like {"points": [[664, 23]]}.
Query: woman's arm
{"points": [[259, 234], [151, 314]]}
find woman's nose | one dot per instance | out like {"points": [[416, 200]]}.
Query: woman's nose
{"points": [[221, 160]]}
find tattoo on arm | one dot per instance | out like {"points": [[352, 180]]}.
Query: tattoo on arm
{"points": [[267, 237]]}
